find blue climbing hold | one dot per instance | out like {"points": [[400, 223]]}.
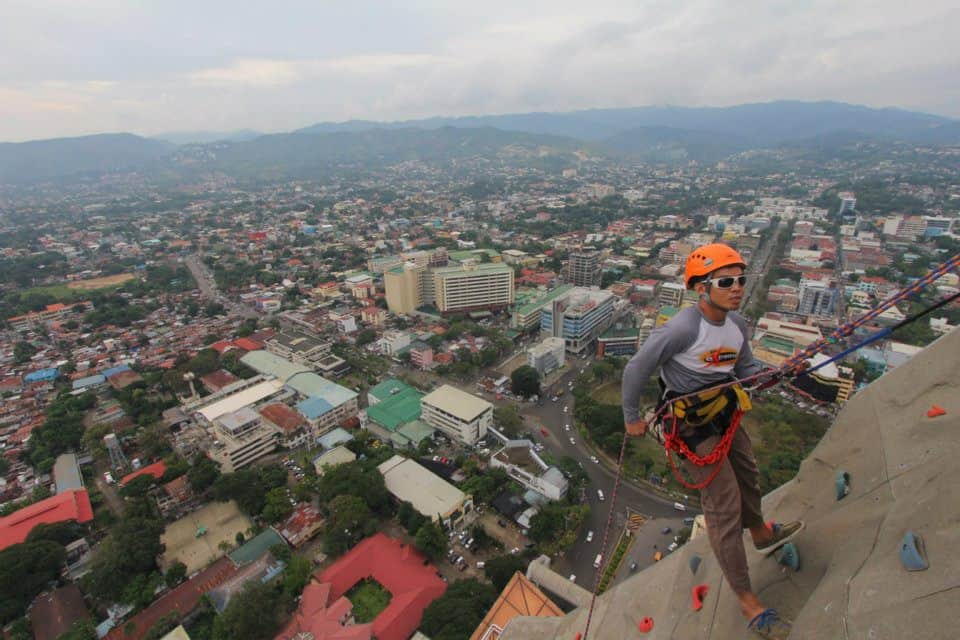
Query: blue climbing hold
{"points": [[694, 563], [912, 554], [843, 485], [788, 556]]}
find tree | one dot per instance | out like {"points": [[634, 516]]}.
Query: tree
{"points": [[509, 420], [356, 479], [23, 351], [129, 551], [295, 577], [175, 574], [244, 486], [410, 518], [80, 630], [547, 524], [63, 533], [25, 570], [277, 505], [500, 569], [350, 521], [203, 473], [253, 614], [138, 487], [525, 381], [455, 614], [366, 337], [430, 540]]}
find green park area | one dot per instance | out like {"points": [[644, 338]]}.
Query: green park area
{"points": [[369, 598]]}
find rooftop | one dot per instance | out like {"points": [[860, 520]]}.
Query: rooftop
{"points": [[157, 469], [241, 399], [271, 364], [519, 598], [461, 404], [70, 505], [315, 386], [427, 492], [397, 409], [545, 298]]}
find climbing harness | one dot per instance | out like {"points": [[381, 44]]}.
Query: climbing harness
{"points": [[793, 366]]}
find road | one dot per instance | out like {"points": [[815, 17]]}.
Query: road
{"points": [[208, 288], [578, 560], [760, 266]]}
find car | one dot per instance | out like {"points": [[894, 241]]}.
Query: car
{"points": [[468, 543], [673, 546], [565, 408], [666, 530], [573, 577], [481, 564], [679, 506], [515, 550], [572, 440], [598, 561], [589, 536], [633, 566], [688, 521], [600, 495], [595, 459], [657, 556], [566, 426]]}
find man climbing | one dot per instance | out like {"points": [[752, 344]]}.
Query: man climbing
{"points": [[702, 346]]}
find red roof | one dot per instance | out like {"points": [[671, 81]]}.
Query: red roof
{"points": [[180, 601], [402, 570], [221, 345], [321, 618], [247, 344], [283, 416], [157, 469], [69, 505]]}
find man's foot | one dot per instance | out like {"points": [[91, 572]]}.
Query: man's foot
{"points": [[770, 625], [782, 534]]}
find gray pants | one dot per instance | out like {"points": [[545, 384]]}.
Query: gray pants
{"points": [[731, 503]]}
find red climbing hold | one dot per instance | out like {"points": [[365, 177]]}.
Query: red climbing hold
{"points": [[936, 411], [646, 625], [699, 593]]}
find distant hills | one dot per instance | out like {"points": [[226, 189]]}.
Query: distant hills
{"points": [[649, 134]]}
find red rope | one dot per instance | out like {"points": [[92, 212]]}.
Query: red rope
{"points": [[672, 441]]}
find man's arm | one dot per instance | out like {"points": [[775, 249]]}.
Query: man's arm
{"points": [[664, 342]]}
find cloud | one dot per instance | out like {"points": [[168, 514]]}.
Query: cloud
{"points": [[296, 63]]}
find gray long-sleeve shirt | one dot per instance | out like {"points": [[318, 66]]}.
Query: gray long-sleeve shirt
{"points": [[691, 352]]}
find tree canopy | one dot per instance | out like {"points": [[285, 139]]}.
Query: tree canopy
{"points": [[455, 614], [500, 569], [525, 381], [25, 570]]}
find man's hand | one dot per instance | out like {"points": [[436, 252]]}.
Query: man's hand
{"points": [[637, 428]]}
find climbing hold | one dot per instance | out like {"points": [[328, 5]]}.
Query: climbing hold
{"points": [[694, 563], [699, 593], [788, 556], [578, 636], [936, 411], [843, 485], [912, 554], [646, 625]]}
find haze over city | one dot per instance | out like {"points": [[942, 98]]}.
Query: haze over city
{"points": [[74, 68]]}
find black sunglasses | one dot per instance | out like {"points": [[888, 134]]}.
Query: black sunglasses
{"points": [[727, 281]]}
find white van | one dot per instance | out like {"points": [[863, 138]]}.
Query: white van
{"points": [[596, 563], [679, 507], [600, 495], [481, 564]]}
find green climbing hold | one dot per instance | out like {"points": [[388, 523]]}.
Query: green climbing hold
{"points": [[842, 485]]}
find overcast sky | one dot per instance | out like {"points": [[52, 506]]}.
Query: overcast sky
{"points": [[73, 67]]}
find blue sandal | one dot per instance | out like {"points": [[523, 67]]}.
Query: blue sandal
{"points": [[770, 625]]}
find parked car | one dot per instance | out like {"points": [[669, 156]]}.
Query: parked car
{"points": [[633, 566], [673, 546], [572, 441], [595, 459], [666, 530], [600, 495], [679, 506], [573, 577], [589, 536]]}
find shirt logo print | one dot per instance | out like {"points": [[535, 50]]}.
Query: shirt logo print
{"points": [[719, 357]]}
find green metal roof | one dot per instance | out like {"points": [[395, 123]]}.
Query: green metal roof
{"points": [[416, 431], [630, 332], [546, 298], [396, 410], [387, 388], [256, 547], [272, 364]]}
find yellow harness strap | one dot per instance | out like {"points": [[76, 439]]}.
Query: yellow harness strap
{"points": [[707, 405]]}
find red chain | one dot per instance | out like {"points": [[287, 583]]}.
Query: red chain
{"points": [[671, 440]]}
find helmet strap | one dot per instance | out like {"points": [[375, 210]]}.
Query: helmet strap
{"points": [[709, 300]]}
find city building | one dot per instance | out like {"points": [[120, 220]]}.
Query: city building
{"points": [[431, 496], [547, 356], [298, 348], [403, 287], [583, 268], [394, 341], [618, 342], [292, 426], [670, 294], [520, 597], [458, 414], [240, 438], [421, 355], [526, 315], [817, 298], [472, 287], [578, 318], [521, 462], [72, 505]]}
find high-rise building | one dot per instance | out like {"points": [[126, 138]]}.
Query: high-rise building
{"points": [[458, 414], [583, 268], [547, 356], [471, 287], [848, 203], [670, 294], [817, 298], [578, 317], [403, 287]]}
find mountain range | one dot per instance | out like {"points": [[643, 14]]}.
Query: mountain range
{"points": [[651, 134]]}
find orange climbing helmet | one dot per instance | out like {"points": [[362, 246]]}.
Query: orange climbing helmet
{"points": [[704, 260]]}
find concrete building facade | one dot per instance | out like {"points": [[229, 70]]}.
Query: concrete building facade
{"points": [[458, 414]]}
